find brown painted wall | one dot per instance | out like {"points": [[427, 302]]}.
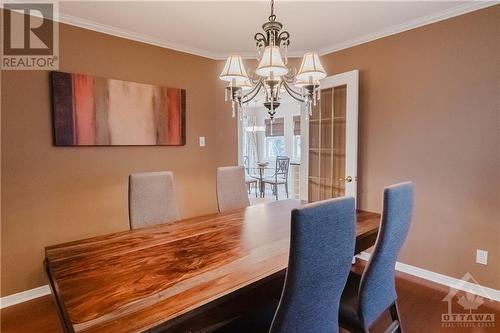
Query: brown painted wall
{"points": [[226, 134], [56, 194], [429, 112], [226, 126]]}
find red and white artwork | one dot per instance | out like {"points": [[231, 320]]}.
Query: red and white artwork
{"points": [[92, 111]]}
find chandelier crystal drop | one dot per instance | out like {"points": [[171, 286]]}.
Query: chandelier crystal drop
{"points": [[272, 75]]}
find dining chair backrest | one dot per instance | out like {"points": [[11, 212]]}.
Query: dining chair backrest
{"points": [[282, 165], [231, 188], [377, 290], [246, 164], [151, 199], [321, 249]]}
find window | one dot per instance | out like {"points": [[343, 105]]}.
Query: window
{"points": [[296, 147], [250, 149], [275, 138], [275, 146], [296, 138]]}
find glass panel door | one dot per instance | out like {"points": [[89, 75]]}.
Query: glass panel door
{"points": [[338, 141], [332, 146], [314, 154], [325, 150]]}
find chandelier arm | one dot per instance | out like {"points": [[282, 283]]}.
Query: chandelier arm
{"points": [[278, 89], [252, 77], [284, 37], [257, 83], [292, 93], [260, 39], [254, 81], [251, 95], [290, 76], [290, 90]]}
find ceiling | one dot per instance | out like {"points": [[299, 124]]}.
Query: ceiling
{"points": [[216, 29]]}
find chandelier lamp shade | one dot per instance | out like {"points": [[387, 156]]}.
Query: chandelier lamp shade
{"points": [[272, 75], [311, 68], [234, 70], [271, 63]]}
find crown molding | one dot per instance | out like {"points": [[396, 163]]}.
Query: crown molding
{"points": [[421, 21], [118, 32]]}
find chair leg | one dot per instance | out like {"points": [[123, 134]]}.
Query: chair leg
{"points": [[286, 188], [276, 190], [249, 186], [256, 185], [396, 321]]}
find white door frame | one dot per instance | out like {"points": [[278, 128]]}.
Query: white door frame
{"points": [[239, 133], [304, 153], [351, 80]]}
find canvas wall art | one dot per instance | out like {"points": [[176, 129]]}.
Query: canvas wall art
{"points": [[93, 111]]}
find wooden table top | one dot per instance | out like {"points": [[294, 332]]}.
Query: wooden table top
{"points": [[135, 280]]}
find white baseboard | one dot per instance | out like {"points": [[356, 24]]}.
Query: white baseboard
{"points": [[24, 296], [448, 281]]}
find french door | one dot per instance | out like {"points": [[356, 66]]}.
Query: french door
{"points": [[330, 138]]}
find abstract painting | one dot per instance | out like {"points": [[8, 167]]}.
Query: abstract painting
{"points": [[93, 111]]}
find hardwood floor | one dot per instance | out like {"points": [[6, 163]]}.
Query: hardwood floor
{"points": [[269, 196], [420, 304], [38, 315]]}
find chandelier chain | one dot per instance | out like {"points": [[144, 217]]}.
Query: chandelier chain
{"points": [[272, 17]]}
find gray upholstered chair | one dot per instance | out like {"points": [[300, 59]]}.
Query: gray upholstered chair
{"points": [[366, 297], [280, 176], [321, 247], [231, 188], [151, 199]]}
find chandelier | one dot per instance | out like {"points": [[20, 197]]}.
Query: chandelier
{"points": [[272, 75]]}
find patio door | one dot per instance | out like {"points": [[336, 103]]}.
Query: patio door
{"points": [[329, 169]]}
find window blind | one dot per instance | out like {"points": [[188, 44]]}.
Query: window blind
{"points": [[296, 125], [276, 127]]}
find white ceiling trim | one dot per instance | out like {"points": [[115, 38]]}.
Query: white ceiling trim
{"points": [[91, 25], [419, 22], [428, 19]]}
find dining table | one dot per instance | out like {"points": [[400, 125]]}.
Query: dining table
{"points": [[164, 278], [261, 169]]}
